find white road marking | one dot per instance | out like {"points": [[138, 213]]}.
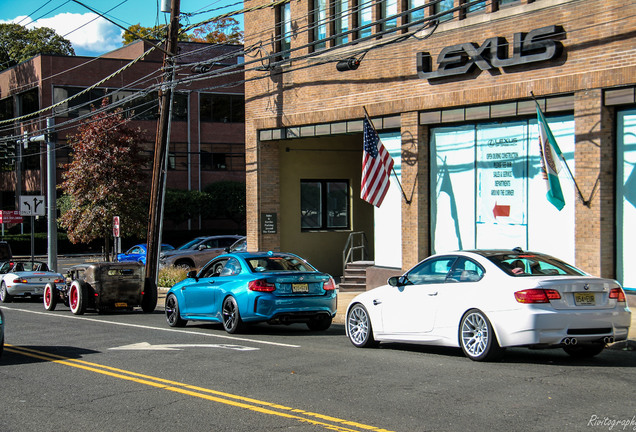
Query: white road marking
{"points": [[220, 336], [145, 346]]}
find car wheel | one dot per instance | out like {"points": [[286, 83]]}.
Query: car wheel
{"points": [[77, 298], [232, 322], [584, 350], [477, 338], [184, 265], [50, 297], [5, 297], [173, 316], [359, 327], [320, 324], [149, 298]]}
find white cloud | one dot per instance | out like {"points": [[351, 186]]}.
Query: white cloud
{"points": [[89, 33]]}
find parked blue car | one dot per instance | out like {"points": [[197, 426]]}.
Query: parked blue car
{"points": [[240, 288], [137, 253]]}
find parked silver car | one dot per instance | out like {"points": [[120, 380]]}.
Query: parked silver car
{"points": [[197, 252]]}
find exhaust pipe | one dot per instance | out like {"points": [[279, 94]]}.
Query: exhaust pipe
{"points": [[608, 339], [569, 341]]}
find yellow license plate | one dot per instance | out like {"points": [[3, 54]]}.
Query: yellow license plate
{"points": [[121, 304], [300, 288], [584, 299]]}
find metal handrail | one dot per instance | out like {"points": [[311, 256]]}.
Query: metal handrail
{"points": [[351, 247]]}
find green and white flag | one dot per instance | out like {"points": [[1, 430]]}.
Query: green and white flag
{"points": [[550, 164]]}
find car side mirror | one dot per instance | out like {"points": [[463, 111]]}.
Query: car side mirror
{"points": [[201, 247], [192, 274], [398, 281]]}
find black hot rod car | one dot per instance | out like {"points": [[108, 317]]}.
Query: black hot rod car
{"points": [[103, 286]]}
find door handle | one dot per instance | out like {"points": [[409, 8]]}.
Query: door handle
{"points": [[432, 294], [376, 302]]}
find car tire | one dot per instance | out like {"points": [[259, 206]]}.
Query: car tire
{"points": [[77, 297], [359, 327], [173, 315], [5, 297], [232, 322], [149, 298], [50, 297], [184, 265], [320, 323], [477, 338], [583, 351]]}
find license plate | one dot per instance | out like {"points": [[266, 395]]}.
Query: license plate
{"points": [[121, 304], [584, 299], [300, 288]]}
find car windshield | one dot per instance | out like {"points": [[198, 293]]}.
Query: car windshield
{"points": [[278, 264], [528, 264], [190, 244]]}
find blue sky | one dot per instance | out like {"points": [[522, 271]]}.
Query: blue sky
{"points": [[92, 35]]}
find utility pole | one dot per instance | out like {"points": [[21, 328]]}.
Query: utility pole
{"points": [[51, 195], [160, 156]]}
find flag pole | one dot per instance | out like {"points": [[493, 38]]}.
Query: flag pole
{"points": [[366, 115], [578, 190]]}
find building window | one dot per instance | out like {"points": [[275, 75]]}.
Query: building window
{"points": [[213, 161], [320, 24], [341, 21], [442, 10], [6, 108], [223, 108], [365, 17], [324, 204], [78, 106], [389, 9], [28, 102], [475, 7], [180, 107], [284, 30], [416, 15]]}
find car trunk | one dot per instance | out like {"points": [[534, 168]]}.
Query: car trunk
{"points": [[298, 284], [118, 283], [592, 293]]}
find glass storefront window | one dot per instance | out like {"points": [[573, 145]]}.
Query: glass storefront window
{"points": [[487, 188], [626, 198]]}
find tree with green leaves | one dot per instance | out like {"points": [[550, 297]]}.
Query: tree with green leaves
{"points": [[105, 179], [18, 44]]}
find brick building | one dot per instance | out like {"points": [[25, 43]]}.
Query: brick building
{"points": [[448, 85], [207, 128]]}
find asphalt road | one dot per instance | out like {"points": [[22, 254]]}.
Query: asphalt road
{"points": [[131, 372]]}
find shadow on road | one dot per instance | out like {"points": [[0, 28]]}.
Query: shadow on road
{"points": [[20, 355]]}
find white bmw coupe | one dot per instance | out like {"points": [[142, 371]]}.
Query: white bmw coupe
{"points": [[486, 300]]}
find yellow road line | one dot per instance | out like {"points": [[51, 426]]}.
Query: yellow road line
{"points": [[256, 405]]}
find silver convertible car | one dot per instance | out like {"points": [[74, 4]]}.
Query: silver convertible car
{"points": [[486, 300], [26, 279]]}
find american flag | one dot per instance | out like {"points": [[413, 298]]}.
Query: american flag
{"points": [[376, 167]]}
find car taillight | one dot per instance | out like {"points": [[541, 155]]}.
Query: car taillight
{"points": [[58, 281], [618, 294], [537, 295], [261, 285], [20, 280], [329, 285]]}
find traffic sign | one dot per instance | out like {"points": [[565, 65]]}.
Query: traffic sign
{"points": [[32, 205], [116, 226], [10, 216]]}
